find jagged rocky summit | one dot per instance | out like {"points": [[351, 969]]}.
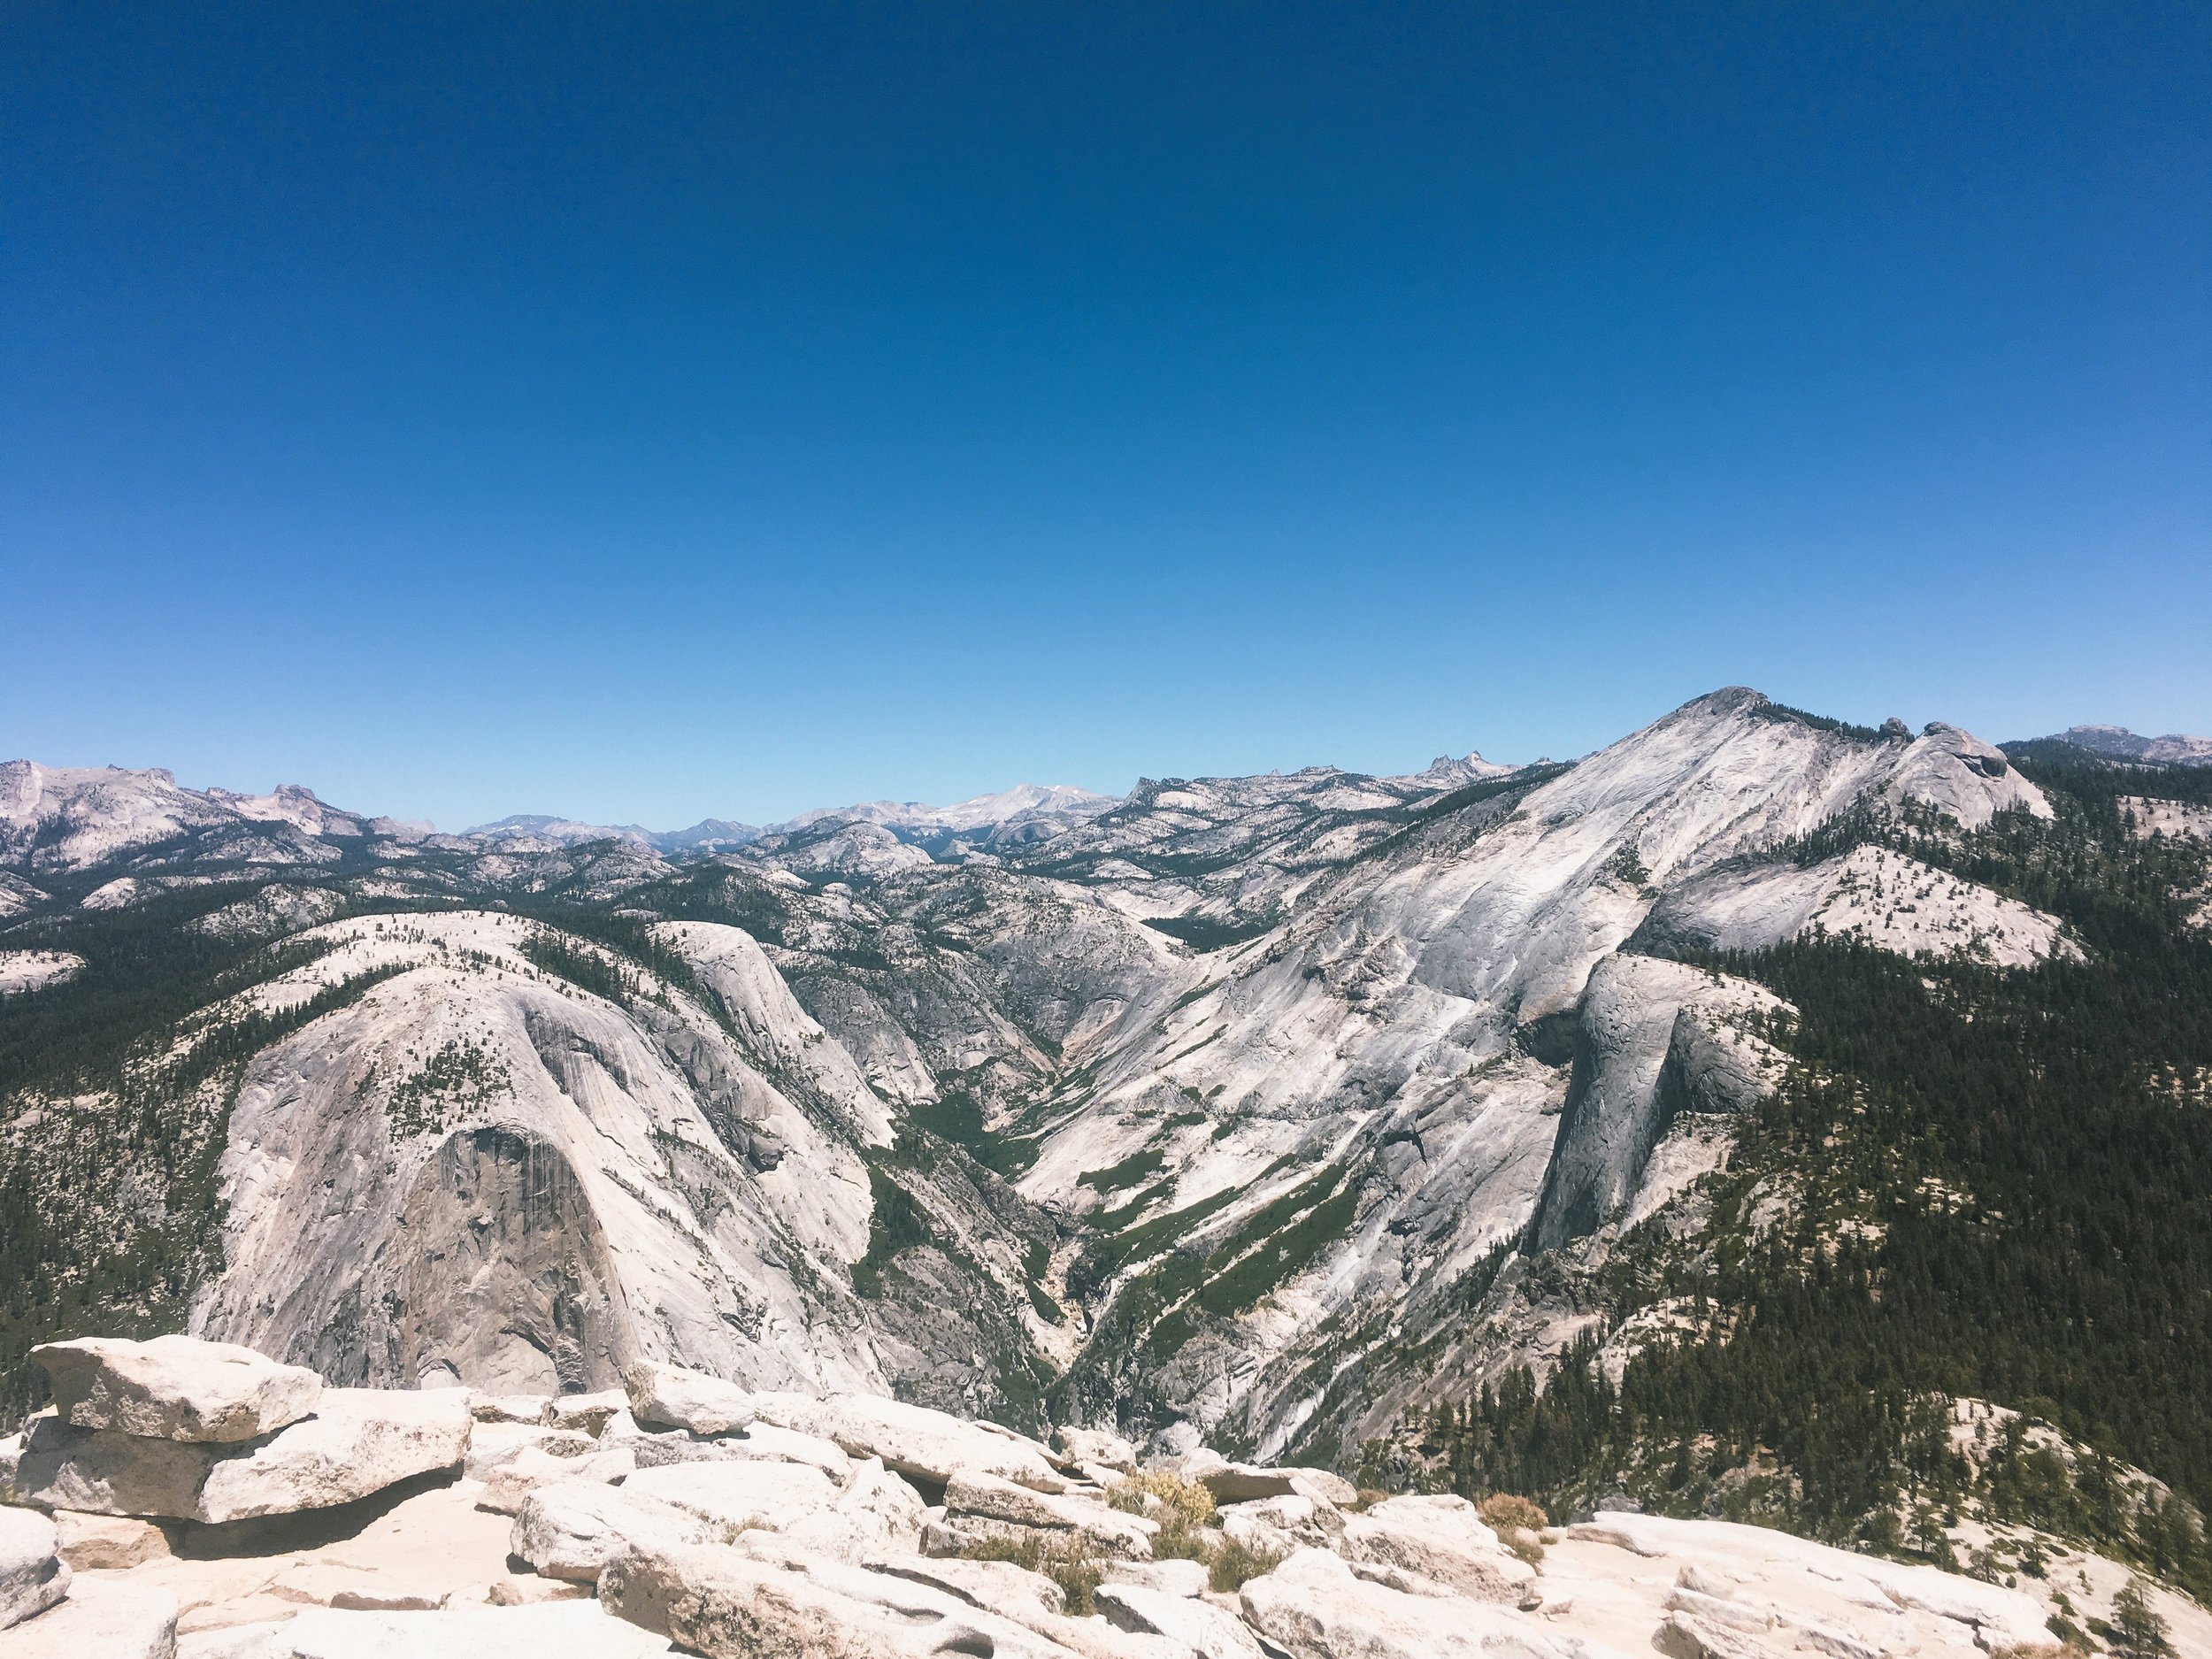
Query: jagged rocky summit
{"points": [[682, 1513]]}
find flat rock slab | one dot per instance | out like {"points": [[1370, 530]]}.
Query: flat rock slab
{"points": [[1314, 1607], [551, 1630], [739, 1496], [1000, 1587], [360, 1441], [102, 1618], [914, 1439], [176, 1389], [726, 1605], [1210, 1631], [1246, 1483], [1441, 1539], [1170, 1576], [33, 1575], [572, 1529], [762, 1442], [971, 1499], [492, 1444], [1987, 1610], [506, 1485]]}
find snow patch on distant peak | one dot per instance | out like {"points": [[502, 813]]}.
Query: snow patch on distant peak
{"points": [[982, 812], [558, 832]]}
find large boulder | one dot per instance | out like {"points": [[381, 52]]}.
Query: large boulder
{"points": [[1440, 1537], [671, 1397], [492, 1444], [360, 1441], [1275, 1527], [102, 1618], [553, 1630], [913, 1439], [997, 1586], [1096, 1448], [508, 1407], [33, 1575], [176, 1389], [587, 1413], [1313, 1606], [1685, 1636], [727, 1605], [573, 1529]]}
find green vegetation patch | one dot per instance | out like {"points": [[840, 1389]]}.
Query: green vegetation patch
{"points": [[460, 1080], [1127, 1173], [1206, 934], [1766, 709], [895, 1223]]}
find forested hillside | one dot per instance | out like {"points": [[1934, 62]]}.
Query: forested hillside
{"points": [[1977, 1183]]}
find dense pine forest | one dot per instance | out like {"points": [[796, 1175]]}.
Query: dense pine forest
{"points": [[1977, 1183]]}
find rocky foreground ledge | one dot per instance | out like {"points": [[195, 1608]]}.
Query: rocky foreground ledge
{"points": [[193, 1499]]}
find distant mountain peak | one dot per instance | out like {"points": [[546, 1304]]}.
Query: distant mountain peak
{"points": [[2117, 742], [978, 812]]}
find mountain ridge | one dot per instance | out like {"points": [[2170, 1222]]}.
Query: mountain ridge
{"points": [[1279, 1111]]}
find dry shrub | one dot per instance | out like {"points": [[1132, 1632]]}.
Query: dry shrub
{"points": [[1183, 1508], [1518, 1524], [1168, 1499], [1503, 1510], [1232, 1564]]}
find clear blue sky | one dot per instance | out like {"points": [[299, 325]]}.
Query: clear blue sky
{"points": [[646, 411]]}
